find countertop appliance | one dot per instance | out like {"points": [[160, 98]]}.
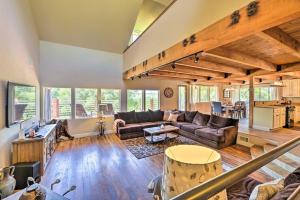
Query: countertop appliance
{"points": [[289, 116]]}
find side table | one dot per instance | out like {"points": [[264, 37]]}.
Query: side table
{"points": [[101, 127]]}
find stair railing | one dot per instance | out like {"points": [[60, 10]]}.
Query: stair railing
{"points": [[212, 187]]}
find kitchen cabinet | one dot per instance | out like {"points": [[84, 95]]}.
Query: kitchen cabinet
{"points": [[292, 88], [297, 114], [268, 117]]}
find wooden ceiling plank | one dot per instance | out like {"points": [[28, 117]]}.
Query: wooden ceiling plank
{"points": [[281, 39], [271, 13], [193, 71], [240, 58], [202, 64]]}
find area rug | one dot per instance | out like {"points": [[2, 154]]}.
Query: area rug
{"points": [[141, 149]]}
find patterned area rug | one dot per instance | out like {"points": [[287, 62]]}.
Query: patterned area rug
{"points": [[141, 149]]}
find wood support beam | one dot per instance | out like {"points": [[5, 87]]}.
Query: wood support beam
{"points": [[176, 75], [251, 101], [282, 40], [236, 57], [193, 71], [202, 64], [271, 13]]}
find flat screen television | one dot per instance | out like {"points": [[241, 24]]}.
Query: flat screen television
{"points": [[20, 103]]}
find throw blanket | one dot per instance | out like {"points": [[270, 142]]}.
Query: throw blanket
{"points": [[118, 123]]}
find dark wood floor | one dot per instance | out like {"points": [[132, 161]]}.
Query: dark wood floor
{"points": [[102, 168]]}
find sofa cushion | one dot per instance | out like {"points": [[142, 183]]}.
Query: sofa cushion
{"points": [[219, 122], [128, 117], [130, 128], [201, 119], [293, 177], [181, 116], [189, 116], [143, 117], [286, 192], [156, 115], [180, 124], [210, 134], [190, 127]]}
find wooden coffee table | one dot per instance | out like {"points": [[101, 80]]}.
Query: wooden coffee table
{"points": [[158, 134]]}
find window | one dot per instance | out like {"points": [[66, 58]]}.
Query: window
{"points": [[24, 103], [213, 93], [60, 103], [152, 101], [182, 97], [265, 93], [202, 93], [135, 100], [244, 94], [111, 96], [85, 103]]}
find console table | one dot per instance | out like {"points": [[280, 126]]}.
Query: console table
{"points": [[36, 149]]}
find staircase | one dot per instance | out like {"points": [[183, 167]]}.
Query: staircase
{"points": [[280, 167]]}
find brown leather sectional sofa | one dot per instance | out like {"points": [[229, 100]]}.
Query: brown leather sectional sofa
{"points": [[212, 130]]}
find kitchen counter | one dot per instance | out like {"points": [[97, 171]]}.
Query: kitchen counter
{"points": [[268, 117]]}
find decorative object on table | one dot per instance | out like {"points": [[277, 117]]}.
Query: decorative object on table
{"points": [[162, 126], [7, 181], [23, 170], [168, 92], [186, 166], [21, 131], [142, 149], [33, 191], [62, 129]]}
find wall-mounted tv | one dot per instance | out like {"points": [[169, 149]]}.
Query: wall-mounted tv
{"points": [[20, 103]]}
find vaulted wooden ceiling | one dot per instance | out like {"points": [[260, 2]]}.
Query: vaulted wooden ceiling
{"points": [[265, 45]]}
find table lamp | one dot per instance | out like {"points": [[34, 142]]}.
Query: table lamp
{"points": [[186, 166], [102, 109]]}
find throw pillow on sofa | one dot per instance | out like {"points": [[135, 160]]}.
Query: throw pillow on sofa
{"points": [[128, 117], [181, 116], [189, 116], [166, 115], [173, 117], [267, 190], [156, 115], [293, 177], [143, 117], [201, 119]]}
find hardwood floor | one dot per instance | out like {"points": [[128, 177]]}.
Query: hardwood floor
{"points": [[102, 168]]}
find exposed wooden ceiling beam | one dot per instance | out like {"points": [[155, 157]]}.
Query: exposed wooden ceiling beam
{"points": [[202, 64], [271, 13], [176, 75], [282, 40], [193, 71], [170, 78], [239, 58]]}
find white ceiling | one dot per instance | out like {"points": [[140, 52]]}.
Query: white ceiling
{"points": [[95, 24]]}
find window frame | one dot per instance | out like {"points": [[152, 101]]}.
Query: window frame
{"points": [[120, 95], [75, 103], [144, 99]]}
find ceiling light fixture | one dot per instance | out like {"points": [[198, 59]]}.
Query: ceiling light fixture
{"points": [[132, 78], [173, 66], [195, 80], [196, 58]]}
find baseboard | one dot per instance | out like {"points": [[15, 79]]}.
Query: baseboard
{"points": [[87, 134]]}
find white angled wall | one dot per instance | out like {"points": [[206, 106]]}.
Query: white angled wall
{"points": [[182, 19]]}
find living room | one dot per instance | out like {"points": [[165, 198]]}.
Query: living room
{"points": [[99, 99]]}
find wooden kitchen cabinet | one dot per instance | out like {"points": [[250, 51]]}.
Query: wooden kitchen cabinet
{"points": [[297, 114], [292, 88], [36, 149], [268, 117]]}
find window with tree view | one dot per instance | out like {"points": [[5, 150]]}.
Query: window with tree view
{"points": [[85, 103], [60, 103], [265, 93], [152, 100], [134, 100], [111, 96]]}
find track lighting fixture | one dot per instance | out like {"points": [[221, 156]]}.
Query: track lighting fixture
{"points": [[260, 80], [196, 58], [132, 78], [280, 78], [173, 66], [244, 82], [195, 80]]}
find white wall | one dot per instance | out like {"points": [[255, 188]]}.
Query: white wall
{"points": [[19, 51], [70, 66], [182, 19]]}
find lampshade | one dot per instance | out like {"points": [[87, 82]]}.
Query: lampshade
{"points": [[186, 166], [102, 109]]}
